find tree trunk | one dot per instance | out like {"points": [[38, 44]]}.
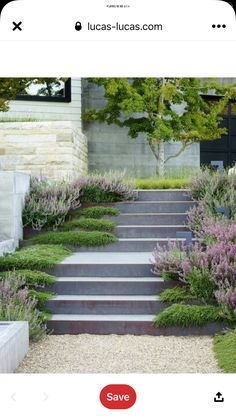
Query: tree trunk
{"points": [[161, 160], [158, 151]]}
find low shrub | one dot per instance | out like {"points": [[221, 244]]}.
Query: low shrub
{"points": [[222, 260], [201, 284], [34, 257], [96, 212], [215, 189], [170, 183], [76, 238], [172, 264], [221, 230], [108, 187], [196, 218], [17, 305], [227, 300], [211, 228], [185, 315], [41, 297], [225, 351], [32, 278], [48, 203], [176, 263], [176, 295], [89, 224]]}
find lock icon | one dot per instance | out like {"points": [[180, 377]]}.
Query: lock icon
{"points": [[78, 26]]}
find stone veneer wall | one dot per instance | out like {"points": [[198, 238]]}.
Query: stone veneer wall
{"points": [[57, 149], [13, 188]]}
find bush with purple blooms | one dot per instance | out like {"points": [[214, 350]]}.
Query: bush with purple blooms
{"points": [[208, 269], [48, 203], [212, 190], [210, 229], [17, 305], [108, 187], [172, 263], [227, 299]]}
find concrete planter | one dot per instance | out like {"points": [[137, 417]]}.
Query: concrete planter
{"points": [[6, 245], [14, 344]]}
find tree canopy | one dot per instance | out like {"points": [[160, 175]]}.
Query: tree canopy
{"points": [[164, 109]]}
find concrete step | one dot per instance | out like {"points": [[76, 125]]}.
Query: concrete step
{"points": [[105, 304], [110, 286], [123, 324], [150, 219], [95, 264], [163, 195], [104, 270], [154, 206], [138, 231], [129, 245]]}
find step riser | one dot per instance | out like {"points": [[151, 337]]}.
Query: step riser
{"points": [[109, 288], [148, 232], [147, 219], [105, 307], [156, 207], [163, 195], [125, 246], [102, 270], [129, 328]]}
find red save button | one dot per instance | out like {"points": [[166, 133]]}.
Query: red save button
{"points": [[118, 396]]}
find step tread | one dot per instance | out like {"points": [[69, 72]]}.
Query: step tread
{"points": [[108, 258], [109, 279], [162, 190], [105, 298], [157, 202], [156, 239], [103, 317], [130, 214], [151, 226]]}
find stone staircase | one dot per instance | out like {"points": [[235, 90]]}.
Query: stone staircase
{"points": [[111, 289]]}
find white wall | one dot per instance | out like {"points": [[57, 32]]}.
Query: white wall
{"points": [[13, 188], [49, 111]]}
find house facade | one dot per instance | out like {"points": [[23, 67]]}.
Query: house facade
{"points": [[47, 136]]}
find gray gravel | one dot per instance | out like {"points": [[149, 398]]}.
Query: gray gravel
{"points": [[120, 354]]}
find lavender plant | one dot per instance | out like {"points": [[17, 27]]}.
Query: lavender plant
{"points": [[221, 230], [214, 190], [227, 300], [16, 304], [48, 203], [106, 187], [171, 263]]}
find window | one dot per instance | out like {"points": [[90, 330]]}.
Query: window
{"points": [[54, 90]]}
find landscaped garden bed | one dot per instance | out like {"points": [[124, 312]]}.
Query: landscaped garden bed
{"points": [[57, 216], [206, 270]]}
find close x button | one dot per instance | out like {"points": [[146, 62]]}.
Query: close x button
{"points": [[118, 396], [17, 26]]}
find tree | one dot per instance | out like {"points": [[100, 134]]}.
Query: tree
{"points": [[12, 87], [150, 106]]}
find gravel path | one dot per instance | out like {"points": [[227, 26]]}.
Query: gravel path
{"points": [[120, 354]]}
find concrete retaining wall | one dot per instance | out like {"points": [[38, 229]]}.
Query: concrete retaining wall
{"points": [[56, 149], [13, 188]]}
